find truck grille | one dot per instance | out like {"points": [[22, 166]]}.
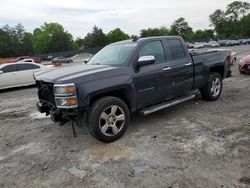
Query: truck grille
{"points": [[46, 92]]}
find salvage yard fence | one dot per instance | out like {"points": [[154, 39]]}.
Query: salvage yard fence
{"points": [[48, 56]]}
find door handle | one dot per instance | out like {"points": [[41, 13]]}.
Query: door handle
{"points": [[187, 64], [166, 68]]}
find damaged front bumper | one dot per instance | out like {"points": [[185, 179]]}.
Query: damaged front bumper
{"points": [[59, 115]]}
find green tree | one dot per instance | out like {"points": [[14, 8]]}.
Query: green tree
{"points": [[218, 19], [6, 48], [15, 41], [51, 37], [245, 26], [79, 42], [237, 9], [27, 44], [117, 35], [150, 32], [96, 38], [227, 23], [180, 27], [203, 35]]}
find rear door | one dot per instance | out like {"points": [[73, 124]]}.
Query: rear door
{"points": [[181, 67], [25, 73]]}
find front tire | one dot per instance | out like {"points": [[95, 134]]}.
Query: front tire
{"points": [[108, 119], [212, 90]]}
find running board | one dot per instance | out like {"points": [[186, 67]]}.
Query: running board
{"points": [[158, 107]]}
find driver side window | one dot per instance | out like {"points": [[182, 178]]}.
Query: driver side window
{"points": [[155, 49]]}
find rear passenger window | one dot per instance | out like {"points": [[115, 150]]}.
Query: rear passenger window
{"points": [[35, 67], [155, 49], [176, 49], [9, 68], [22, 67]]}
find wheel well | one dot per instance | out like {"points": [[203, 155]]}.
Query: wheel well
{"points": [[218, 69], [121, 94]]}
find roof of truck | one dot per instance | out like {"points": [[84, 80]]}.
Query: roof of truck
{"points": [[139, 40]]}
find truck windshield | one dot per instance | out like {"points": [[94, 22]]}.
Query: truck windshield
{"points": [[116, 54]]}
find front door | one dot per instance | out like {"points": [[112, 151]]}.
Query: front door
{"points": [[151, 80]]}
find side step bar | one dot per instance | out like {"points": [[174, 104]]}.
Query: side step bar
{"points": [[168, 104]]}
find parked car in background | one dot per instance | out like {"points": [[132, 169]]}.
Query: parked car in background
{"points": [[50, 57], [61, 60], [35, 59], [198, 45], [222, 42], [26, 61], [190, 45], [228, 43], [19, 74], [22, 58], [212, 44], [236, 42], [244, 65]]}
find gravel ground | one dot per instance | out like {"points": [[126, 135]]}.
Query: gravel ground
{"points": [[195, 144]]}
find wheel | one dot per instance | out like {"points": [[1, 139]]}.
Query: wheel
{"points": [[108, 119], [212, 90]]}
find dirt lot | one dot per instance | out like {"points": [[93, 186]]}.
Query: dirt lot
{"points": [[195, 144]]}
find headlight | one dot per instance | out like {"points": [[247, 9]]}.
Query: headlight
{"points": [[67, 89], [65, 96]]}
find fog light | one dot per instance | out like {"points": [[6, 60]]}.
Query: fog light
{"points": [[66, 102]]}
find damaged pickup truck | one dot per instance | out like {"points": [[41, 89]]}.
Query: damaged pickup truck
{"points": [[141, 75]]}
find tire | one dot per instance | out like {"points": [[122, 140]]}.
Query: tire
{"points": [[103, 124], [212, 90]]}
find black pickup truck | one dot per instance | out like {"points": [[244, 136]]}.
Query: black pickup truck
{"points": [[141, 75]]}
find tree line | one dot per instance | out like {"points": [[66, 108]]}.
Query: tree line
{"points": [[231, 23]]}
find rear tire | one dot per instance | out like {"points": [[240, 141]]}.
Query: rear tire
{"points": [[212, 90], [108, 119]]}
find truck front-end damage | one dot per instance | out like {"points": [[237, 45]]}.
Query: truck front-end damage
{"points": [[58, 101]]}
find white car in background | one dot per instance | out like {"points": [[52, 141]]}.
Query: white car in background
{"points": [[198, 45], [213, 44], [19, 74], [26, 61]]}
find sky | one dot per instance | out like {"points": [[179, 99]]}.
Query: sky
{"points": [[79, 16]]}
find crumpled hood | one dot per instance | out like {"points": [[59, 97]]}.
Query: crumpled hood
{"points": [[63, 74]]}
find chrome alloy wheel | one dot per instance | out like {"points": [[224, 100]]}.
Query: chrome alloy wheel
{"points": [[112, 120], [216, 87]]}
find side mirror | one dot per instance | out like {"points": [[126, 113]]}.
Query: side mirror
{"points": [[146, 60], [1, 72]]}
